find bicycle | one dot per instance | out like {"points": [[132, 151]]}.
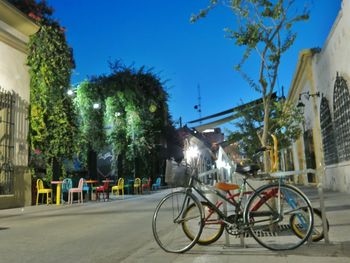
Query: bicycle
{"points": [[176, 228], [214, 227]]}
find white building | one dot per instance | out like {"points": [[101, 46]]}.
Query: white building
{"points": [[15, 180], [322, 83]]}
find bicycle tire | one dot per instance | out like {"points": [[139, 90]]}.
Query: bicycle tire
{"points": [[212, 227], [271, 228], [168, 220], [317, 232]]}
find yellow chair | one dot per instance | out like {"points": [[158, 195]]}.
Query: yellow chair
{"points": [[119, 187], [137, 186], [41, 190]]}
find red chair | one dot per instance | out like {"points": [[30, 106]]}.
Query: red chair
{"points": [[102, 189], [146, 184]]}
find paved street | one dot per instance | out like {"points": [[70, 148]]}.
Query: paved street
{"points": [[120, 231]]}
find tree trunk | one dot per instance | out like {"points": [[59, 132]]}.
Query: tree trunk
{"points": [[92, 164], [265, 134]]}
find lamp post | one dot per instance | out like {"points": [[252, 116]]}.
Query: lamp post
{"points": [[301, 106], [307, 95]]}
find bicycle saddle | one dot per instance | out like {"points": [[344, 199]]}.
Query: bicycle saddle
{"points": [[226, 187], [250, 169]]}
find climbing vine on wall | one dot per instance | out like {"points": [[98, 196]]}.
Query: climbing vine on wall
{"points": [[52, 116]]}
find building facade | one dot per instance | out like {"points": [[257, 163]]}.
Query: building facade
{"points": [[15, 179], [322, 84]]}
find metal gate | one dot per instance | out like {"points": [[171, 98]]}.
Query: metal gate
{"points": [[7, 100]]}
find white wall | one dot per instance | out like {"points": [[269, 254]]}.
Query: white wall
{"points": [[14, 77], [13, 71], [335, 57], [335, 54]]}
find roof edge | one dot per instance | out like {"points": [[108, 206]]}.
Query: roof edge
{"points": [[16, 19]]}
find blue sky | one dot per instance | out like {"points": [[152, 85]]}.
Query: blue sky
{"points": [[158, 34]]}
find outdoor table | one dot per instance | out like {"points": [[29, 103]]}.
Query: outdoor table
{"points": [[91, 183], [107, 181], [58, 191]]}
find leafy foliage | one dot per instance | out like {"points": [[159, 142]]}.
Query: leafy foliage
{"points": [[285, 123], [34, 9], [53, 127], [132, 118]]}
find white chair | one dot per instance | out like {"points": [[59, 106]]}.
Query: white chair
{"points": [[78, 190]]}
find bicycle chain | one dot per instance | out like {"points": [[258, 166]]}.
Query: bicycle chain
{"points": [[236, 221]]}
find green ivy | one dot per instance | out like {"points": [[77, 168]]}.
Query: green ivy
{"points": [[124, 121], [53, 128]]}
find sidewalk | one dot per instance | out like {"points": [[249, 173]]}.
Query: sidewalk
{"points": [[338, 250], [337, 212]]}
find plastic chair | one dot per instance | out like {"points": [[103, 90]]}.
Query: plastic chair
{"points": [[78, 190], [119, 187], [156, 185], [146, 184], [66, 185], [42, 190], [86, 189], [102, 189], [137, 186], [128, 185]]}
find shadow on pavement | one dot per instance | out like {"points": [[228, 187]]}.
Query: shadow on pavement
{"points": [[339, 249]]}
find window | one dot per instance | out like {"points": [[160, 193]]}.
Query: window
{"points": [[342, 118], [6, 142], [310, 158], [327, 131]]}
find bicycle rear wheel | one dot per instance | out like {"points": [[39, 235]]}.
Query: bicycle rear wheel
{"points": [[317, 231], [268, 214], [213, 227], [169, 220]]}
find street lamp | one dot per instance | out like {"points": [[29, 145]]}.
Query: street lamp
{"points": [[301, 105], [96, 106], [307, 95], [70, 92]]}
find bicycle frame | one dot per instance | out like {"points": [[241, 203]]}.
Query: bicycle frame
{"points": [[237, 204], [229, 199], [214, 191]]}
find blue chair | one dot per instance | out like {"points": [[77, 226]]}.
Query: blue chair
{"points": [[66, 185], [129, 185], [86, 188], [156, 185]]}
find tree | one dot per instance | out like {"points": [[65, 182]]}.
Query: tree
{"points": [[132, 118], [284, 123], [265, 27]]}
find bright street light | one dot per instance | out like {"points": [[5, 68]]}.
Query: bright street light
{"points": [[70, 92], [96, 106], [192, 152]]}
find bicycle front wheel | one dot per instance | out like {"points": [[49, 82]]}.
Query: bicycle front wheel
{"points": [[269, 212], [170, 218]]}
